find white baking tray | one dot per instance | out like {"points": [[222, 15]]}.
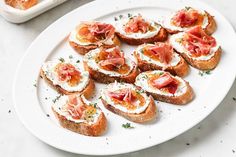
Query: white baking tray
{"points": [[18, 16]]}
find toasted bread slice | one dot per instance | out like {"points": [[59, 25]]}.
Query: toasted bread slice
{"points": [[209, 28], [141, 114], [183, 93], [137, 30], [86, 125], [208, 62], [162, 35], [86, 88], [205, 64], [177, 65], [91, 35], [21, 4], [83, 49], [212, 26], [92, 65]]}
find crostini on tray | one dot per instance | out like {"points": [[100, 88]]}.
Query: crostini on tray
{"points": [[106, 65], [91, 35], [199, 49], [77, 114], [165, 87], [129, 102], [160, 56], [136, 30], [67, 78], [189, 17]]}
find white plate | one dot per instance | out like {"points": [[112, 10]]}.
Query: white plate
{"points": [[32, 107]]}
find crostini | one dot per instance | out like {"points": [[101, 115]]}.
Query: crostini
{"points": [[136, 30], [165, 87], [21, 4], [77, 114], [129, 102], [160, 56], [91, 35], [67, 78], [107, 65], [189, 17], [199, 49]]}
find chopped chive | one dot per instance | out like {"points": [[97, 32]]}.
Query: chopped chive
{"points": [[127, 126]]}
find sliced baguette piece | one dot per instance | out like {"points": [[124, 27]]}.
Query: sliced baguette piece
{"points": [[141, 114], [207, 62], [209, 27], [154, 33], [92, 122], [106, 76], [82, 47], [183, 94], [86, 85], [212, 26], [177, 65], [162, 35]]}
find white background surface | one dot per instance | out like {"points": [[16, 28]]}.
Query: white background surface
{"points": [[215, 136]]}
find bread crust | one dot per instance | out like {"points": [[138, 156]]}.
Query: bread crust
{"points": [[103, 78], [210, 28], [181, 69], [87, 91], [204, 64], [161, 36], [177, 100], [148, 115], [95, 129], [83, 49]]}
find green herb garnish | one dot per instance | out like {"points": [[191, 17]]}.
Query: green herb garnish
{"points": [[202, 73], [70, 56], [127, 126], [57, 98], [129, 15], [120, 16], [62, 59], [94, 105], [187, 8], [139, 91], [144, 77]]}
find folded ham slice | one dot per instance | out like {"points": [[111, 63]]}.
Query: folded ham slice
{"points": [[198, 42]]}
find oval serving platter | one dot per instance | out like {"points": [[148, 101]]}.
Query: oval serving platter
{"points": [[33, 98]]}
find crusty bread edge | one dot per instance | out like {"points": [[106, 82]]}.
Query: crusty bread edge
{"points": [[181, 69], [148, 115], [204, 64], [211, 27], [177, 100], [95, 129], [87, 91]]}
